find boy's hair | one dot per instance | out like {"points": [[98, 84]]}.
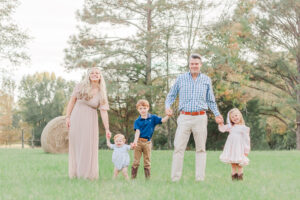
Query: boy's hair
{"points": [[142, 102], [236, 110], [119, 136]]}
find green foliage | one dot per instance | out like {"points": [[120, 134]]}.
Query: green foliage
{"points": [[257, 125], [13, 39], [254, 51], [283, 141], [42, 98]]}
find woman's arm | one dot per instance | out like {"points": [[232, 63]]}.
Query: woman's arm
{"points": [[70, 107], [104, 116], [108, 141]]}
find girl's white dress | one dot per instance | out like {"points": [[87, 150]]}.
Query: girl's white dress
{"points": [[237, 144], [120, 156]]}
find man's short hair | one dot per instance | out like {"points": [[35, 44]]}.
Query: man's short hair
{"points": [[195, 56], [142, 102]]}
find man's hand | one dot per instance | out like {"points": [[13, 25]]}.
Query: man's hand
{"points": [[219, 119], [169, 112]]}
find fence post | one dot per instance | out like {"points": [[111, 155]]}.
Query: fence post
{"points": [[32, 139], [22, 138]]}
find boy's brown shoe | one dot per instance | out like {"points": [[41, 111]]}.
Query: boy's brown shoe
{"points": [[240, 177], [147, 173], [234, 176], [134, 171]]}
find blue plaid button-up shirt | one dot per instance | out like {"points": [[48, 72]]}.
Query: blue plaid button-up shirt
{"points": [[194, 95]]}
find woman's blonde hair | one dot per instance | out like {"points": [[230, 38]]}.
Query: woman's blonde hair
{"points": [[236, 110], [119, 136], [86, 87]]}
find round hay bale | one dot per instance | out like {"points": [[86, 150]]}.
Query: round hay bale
{"points": [[55, 136]]}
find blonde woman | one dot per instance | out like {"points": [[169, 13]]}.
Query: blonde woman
{"points": [[82, 121]]}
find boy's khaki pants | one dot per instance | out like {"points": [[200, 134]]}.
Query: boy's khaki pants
{"points": [[142, 148], [185, 125]]}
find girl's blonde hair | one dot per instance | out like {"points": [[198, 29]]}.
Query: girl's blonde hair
{"points": [[86, 87], [236, 110], [119, 136]]}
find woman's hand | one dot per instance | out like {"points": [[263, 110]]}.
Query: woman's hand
{"points": [[68, 122], [108, 133]]}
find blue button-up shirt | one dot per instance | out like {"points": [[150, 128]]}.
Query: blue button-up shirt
{"points": [[194, 95], [147, 126]]}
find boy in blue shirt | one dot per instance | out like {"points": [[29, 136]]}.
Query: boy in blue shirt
{"points": [[144, 127]]}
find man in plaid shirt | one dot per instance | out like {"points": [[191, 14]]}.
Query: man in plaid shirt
{"points": [[195, 97]]}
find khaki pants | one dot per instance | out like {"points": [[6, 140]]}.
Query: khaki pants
{"points": [[142, 148], [185, 125]]}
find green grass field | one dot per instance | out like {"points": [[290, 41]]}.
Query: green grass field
{"points": [[33, 174]]}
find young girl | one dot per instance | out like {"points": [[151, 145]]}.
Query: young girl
{"points": [[120, 156], [237, 146]]}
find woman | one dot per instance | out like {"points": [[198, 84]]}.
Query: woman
{"points": [[82, 121]]}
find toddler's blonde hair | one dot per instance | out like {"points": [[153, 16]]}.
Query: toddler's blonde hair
{"points": [[119, 136]]}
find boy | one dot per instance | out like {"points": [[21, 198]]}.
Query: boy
{"points": [[144, 127]]}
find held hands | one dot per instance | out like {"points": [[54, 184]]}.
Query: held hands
{"points": [[169, 112], [132, 145], [108, 133], [219, 120]]}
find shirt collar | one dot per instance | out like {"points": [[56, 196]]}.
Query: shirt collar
{"points": [[191, 74], [148, 116]]}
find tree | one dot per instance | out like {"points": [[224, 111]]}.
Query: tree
{"points": [[256, 48], [13, 39], [7, 133], [43, 97], [275, 44]]}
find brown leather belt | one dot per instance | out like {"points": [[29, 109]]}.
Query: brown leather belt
{"points": [[143, 139], [201, 112]]}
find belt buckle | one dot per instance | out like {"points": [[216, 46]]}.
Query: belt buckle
{"points": [[195, 113], [143, 139]]}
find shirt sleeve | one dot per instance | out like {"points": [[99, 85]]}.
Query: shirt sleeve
{"points": [[128, 147], [136, 125], [76, 91], [112, 146], [210, 99], [172, 94], [104, 106], [247, 140], [157, 120]]}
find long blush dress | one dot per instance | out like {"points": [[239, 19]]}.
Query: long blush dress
{"points": [[237, 144], [83, 137]]}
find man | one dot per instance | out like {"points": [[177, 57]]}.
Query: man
{"points": [[195, 97]]}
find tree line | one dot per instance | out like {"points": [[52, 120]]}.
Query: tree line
{"points": [[250, 49]]}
